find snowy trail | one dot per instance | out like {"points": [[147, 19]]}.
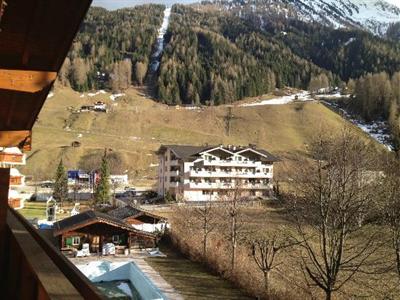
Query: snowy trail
{"points": [[302, 96], [160, 40]]}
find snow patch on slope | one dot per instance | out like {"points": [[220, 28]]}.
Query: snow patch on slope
{"points": [[302, 96]]}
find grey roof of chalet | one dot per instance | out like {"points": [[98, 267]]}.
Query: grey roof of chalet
{"points": [[186, 152], [129, 211], [123, 212], [86, 217]]}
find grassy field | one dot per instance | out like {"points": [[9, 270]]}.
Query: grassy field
{"points": [[192, 280], [37, 210], [135, 127], [34, 210]]}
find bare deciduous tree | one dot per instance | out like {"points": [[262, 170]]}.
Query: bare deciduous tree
{"points": [[265, 249], [391, 205], [206, 219], [235, 219], [334, 193]]}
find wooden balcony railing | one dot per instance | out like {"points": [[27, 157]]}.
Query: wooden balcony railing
{"points": [[31, 267]]}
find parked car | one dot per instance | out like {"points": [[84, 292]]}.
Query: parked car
{"points": [[47, 184]]}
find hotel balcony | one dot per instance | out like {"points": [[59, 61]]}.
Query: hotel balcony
{"points": [[227, 186], [174, 162], [174, 184], [231, 163], [173, 173], [219, 174]]}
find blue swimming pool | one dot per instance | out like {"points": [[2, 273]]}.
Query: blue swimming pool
{"points": [[109, 277]]}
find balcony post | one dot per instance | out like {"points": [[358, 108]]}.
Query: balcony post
{"points": [[4, 186]]}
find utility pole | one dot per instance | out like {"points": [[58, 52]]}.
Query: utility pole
{"points": [[228, 119]]}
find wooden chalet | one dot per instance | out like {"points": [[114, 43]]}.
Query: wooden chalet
{"points": [[16, 178], [11, 156], [14, 200], [35, 37], [135, 216], [98, 229]]}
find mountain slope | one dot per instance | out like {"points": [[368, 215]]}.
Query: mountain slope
{"points": [[372, 15], [135, 127]]}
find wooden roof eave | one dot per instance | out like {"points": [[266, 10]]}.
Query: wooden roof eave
{"points": [[35, 38], [147, 214], [77, 226]]}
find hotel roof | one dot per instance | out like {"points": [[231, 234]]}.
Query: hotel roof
{"points": [[186, 152]]}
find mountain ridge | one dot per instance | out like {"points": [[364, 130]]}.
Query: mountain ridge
{"points": [[372, 15]]}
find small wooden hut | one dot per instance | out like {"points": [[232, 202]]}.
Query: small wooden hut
{"points": [[98, 229]]}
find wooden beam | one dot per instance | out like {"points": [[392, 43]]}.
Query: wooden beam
{"points": [[16, 138], [4, 186], [26, 81]]}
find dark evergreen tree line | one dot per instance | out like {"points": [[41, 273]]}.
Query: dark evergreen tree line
{"points": [[348, 53], [112, 48], [214, 59]]}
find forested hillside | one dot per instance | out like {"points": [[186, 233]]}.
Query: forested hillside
{"points": [[346, 53], [112, 48], [214, 59]]}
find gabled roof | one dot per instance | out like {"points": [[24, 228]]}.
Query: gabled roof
{"points": [[90, 217], [131, 212], [268, 156], [184, 152], [11, 150]]}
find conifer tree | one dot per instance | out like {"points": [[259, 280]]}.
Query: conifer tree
{"points": [[60, 190], [102, 193]]}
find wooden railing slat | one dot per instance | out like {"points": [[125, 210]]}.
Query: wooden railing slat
{"points": [[39, 265], [58, 261]]}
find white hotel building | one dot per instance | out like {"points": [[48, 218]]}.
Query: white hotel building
{"points": [[203, 173]]}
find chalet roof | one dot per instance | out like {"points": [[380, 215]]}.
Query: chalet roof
{"points": [[14, 172], [35, 38], [186, 152], [11, 150], [89, 217], [129, 211]]}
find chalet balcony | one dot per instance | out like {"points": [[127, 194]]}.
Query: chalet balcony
{"points": [[35, 38], [16, 180], [12, 159], [32, 268]]}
